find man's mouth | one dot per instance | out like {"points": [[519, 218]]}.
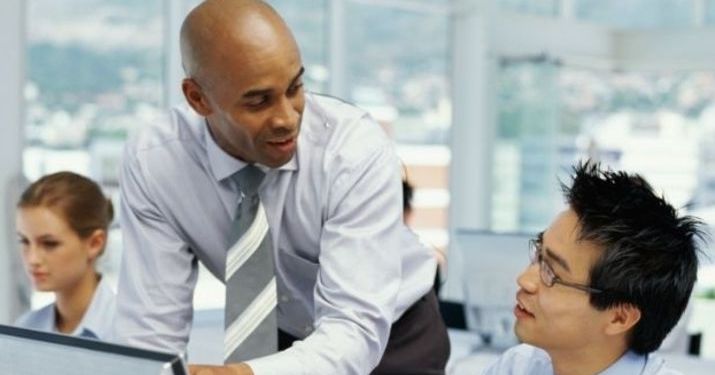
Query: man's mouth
{"points": [[520, 310], [280, 142], [284, 145]]}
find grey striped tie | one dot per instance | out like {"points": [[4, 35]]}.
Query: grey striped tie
{"points": [[250, 316]]}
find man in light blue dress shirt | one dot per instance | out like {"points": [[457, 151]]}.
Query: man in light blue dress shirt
{"points": [[353, 282], [608, 280]]}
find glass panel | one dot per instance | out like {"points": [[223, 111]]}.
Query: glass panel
{"points": [[398, 69], [528, 125], [541, 7], [307, 19], [638, 14], [94, 73], [709, 12], [656, 124]]}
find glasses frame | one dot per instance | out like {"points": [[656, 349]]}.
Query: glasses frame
{"points": [[546, 272]]}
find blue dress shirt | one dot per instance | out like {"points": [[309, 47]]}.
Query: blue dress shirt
{"points": [[528, 360], [346, 266], [96, 322]]}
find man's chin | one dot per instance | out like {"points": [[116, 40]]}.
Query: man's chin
{"points": [[522, 335], [274, 163]]}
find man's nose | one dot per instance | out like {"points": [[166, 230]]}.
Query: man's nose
{"points": [[529, 279], [285, 114]]}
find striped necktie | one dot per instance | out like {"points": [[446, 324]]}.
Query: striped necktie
{"points": [[250, 316]]}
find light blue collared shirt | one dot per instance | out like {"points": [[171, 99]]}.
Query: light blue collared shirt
{"points": [[346, 266], [96, 322], [528, 360]]}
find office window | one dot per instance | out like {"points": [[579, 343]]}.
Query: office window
{"points": [[95, 72], [307, 19], [656, 124], [709, 12], [398, 69], [636, 14], [540, 7]]}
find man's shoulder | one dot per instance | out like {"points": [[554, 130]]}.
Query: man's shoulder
{"points": [[342, 128], [331, 116], [521, 359], [179, 127], [335, 109], [526, 351]]}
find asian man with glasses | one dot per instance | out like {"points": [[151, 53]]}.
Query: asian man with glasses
{"points": [[608, 279]]}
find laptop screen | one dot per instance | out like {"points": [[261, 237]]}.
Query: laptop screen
{"points": [[32, 352]]}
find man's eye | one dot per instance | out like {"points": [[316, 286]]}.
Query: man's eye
{"points": [[549, 270], [257, 102], [295, 88]]}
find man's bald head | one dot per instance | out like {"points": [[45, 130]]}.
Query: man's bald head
{"points": [[216, 28]]}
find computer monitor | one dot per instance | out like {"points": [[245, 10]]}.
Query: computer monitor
{"points": [[491, 263], [29, 352]]}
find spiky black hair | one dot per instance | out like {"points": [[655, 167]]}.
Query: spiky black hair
{"points": [[650, 253]]}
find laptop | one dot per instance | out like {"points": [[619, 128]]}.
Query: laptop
{"points": [[30, 352]]}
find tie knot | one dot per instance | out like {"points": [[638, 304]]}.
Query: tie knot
{"points": [[249, 179]]}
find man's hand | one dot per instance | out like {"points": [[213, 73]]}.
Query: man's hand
{"points": [[232, 369]]}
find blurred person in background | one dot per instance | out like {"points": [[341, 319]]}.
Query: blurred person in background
{"points": [[407, 195], [62, 224]]}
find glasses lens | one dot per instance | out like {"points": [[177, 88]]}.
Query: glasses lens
{"points": [[547, 275]]}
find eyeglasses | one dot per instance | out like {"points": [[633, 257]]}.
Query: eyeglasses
{"points": [[548, 277]]}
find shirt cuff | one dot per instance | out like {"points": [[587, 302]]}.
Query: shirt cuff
{"points": [[276, 364]]}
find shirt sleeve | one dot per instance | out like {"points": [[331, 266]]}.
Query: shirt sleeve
{"points": [[158, 271], [360, 267]]}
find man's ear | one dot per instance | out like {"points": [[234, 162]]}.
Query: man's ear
{"points": [[194, 95], [622, 318]]}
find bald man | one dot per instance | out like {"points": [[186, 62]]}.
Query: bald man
{"points": [[349, 285]]}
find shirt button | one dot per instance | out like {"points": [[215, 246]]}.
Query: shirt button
{"points": [[308, 329], [285, 298]]}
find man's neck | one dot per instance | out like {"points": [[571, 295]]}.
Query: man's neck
{"points": [[589, 360]]}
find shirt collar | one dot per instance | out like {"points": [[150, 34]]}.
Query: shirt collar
{"points": [[93, 322], [629, 363], [224, 165]]}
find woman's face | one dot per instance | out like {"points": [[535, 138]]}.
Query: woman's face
{"points": [[55, 257]]}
